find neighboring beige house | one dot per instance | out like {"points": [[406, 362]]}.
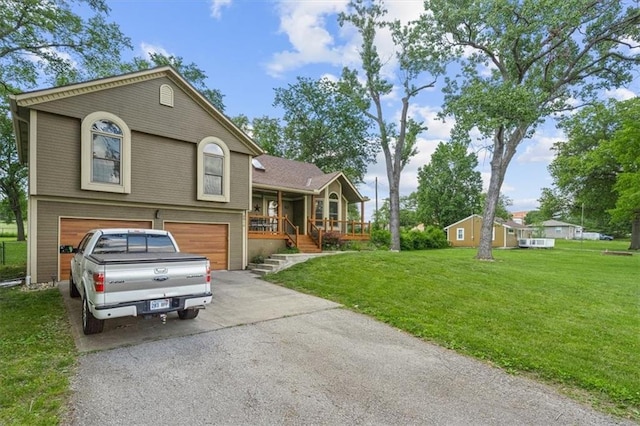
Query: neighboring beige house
{"points": [[557, 229], [143, 149], [466, 232], [296, 203]]}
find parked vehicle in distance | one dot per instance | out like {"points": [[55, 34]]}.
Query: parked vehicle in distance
{"points": [[136, 272], [606, 237]]}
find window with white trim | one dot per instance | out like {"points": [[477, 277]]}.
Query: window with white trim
{"points": [[334, 206], [460, 234], [213, 170], [106, 153]]}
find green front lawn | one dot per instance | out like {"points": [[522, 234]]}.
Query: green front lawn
{"points": [[37, 355], [569, 315]]}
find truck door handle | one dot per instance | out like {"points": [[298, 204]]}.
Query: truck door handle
{"points": [[161, 278]]}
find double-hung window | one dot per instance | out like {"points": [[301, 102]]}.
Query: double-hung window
{"points": [[106, 153], [213, 170]]}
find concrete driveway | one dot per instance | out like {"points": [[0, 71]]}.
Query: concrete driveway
{"points": [[265, 355]]}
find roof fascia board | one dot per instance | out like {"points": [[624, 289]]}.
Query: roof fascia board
{"points": [[347, 181], [285, 189], [28, 99]]}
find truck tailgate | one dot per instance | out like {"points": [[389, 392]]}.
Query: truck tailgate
{"points": [[148, 276]]}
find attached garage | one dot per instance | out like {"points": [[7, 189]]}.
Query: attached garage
{"points": [[207, 239], [73, 229]]}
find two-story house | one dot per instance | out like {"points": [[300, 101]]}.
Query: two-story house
{"points": [[147, 150], [144, 150]]}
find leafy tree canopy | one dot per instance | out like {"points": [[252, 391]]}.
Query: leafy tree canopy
{"points": [[419, 64], [449, 187], [595, 169], [522, 61], [45, 39], [323, 126]]}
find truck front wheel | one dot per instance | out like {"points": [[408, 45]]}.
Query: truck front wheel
{"points": [[188, 313], [90, 324]]}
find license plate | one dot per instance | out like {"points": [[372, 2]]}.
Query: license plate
{"points": [[154, 305]]}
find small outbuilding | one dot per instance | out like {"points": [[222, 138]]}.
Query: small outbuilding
{"points": [[466, 232]]}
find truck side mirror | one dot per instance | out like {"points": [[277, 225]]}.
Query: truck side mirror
{"points": [[68, 249]]}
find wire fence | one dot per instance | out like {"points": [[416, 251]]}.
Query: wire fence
{"points": [[13, 252]]}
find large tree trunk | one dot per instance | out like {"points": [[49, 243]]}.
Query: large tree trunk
{"points": [[19, 223], [635, 233], [394, 213], [502, 154]]}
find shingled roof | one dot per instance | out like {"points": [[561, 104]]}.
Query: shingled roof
{"points": [[283, 174]]}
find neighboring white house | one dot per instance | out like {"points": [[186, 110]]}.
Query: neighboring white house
{"points": [[557, 229]]}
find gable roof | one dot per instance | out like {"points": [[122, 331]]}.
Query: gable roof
{"points": [[20, 103], [497, 221], [290, 175], [557, 223]]}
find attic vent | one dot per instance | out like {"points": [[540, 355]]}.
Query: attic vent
{"points": [[166, 95], [257, 164]]}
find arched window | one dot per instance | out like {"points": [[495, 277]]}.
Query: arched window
{"points": [[334, 206], [106, 153], [213, 170]]}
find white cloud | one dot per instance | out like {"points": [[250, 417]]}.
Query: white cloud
{"points": [[437, 129], [147, 49], [620, 94], [539, 150], [315, 37], [305, 25], [216, 7]]}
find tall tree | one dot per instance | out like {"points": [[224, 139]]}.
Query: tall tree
{"points": [[48, 42], [449, 187], [553, 204], [13, 175], [625, 147], [418, 66], [323, 126], [578, 156], [592, 167], [522, 61], [46, 39], [266, 131], [191, 72]]}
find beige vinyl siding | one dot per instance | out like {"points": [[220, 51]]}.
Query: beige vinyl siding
{"points": [[139, 106], [163, 170], [49, 213], [472, 230]]}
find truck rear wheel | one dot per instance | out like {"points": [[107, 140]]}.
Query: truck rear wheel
{"points": [[188, 313], [90, 324], [73, 290]]}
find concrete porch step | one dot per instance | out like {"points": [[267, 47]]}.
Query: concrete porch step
{"points": [[278, 262]]}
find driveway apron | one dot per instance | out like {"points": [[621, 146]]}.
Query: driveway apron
{"points": [[265, 355]]}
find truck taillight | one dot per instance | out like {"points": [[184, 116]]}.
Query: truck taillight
{"points": [[98, 282], [208, 272]]}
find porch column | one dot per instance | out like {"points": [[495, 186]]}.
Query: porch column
{"points": [[362, 211], [280, 224]]}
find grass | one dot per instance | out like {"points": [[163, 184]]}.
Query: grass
{"points": [[37, 356], [568, 316]]}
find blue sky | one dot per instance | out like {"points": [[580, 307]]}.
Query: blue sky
{"points": [[249, 47]]}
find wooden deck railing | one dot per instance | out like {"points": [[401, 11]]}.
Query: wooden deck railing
{"points": [[315, 233], [291, 231], [347, 228]]}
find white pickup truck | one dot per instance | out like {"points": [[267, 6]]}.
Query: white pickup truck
{"points": [[136, 272]]}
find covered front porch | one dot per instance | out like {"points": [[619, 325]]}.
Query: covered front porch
{"points": [[283, 219]]}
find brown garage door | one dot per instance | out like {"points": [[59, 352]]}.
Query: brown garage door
{"points": [[73, 229], [206, 239]]}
